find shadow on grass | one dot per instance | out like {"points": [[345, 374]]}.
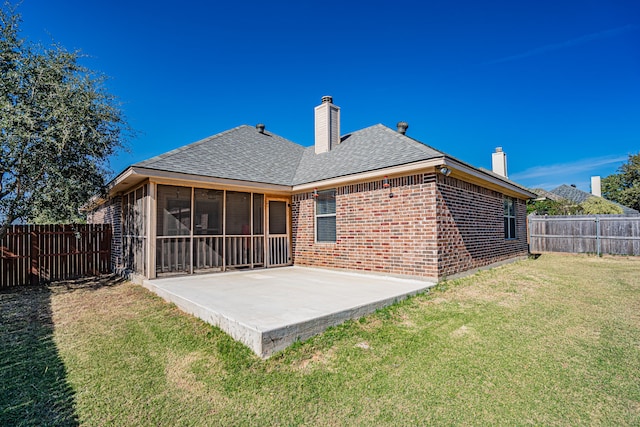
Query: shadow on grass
{"points": [[33, 387]]}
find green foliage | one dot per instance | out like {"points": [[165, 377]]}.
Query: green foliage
{"points": [[624, 187], [58, 127], [599, 206], [552, 207]]}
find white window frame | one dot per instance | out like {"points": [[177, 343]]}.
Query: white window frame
{"points": [[327, 215], [509, 205]]}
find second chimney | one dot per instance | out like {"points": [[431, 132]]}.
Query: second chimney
{"points": [[327, 125], [596, 187], [499, 162]]}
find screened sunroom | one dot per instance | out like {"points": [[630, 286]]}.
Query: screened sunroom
{"points": [[194, 230]]}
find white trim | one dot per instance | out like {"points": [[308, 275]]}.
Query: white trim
{"points": [[316, 216]]}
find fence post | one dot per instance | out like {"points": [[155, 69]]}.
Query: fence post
{"points": [[598, 234], [34, 255]]}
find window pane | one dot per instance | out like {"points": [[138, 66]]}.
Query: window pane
{"points": [[512, 228], [326, 202], [238, 213], [326, 228], [277, 217], [208, 212], [174, 211], [258, 214]]}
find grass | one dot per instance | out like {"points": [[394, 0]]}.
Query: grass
{"points": [[552, 341]]}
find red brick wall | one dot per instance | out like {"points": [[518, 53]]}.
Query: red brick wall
{"points": [[374, 231], [433, 227], [471, 227]]}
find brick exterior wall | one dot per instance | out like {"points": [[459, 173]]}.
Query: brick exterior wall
{"points": [[433, 227], [110, 212], [374, 231], [471, 227]]}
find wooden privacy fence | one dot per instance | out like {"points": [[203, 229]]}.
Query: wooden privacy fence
{"points": [[597, 234], [36, 254]]}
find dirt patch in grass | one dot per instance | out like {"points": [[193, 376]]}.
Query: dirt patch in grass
{"points": [[318, 358], [179, 374], [462, 331]]}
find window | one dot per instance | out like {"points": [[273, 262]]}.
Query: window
{"points": [[509, 218], [326, 216]]}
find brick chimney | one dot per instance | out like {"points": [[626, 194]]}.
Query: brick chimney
{"points": [[499, 162], [327, 125]]}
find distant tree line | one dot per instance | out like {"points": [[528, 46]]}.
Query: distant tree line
{"points": [[591, 206]]}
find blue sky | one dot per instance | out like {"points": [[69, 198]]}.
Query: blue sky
{"points": [[555, 83]]}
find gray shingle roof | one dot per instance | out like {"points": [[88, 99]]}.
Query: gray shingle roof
{"points": [[546, 194], [245, 154], [371, 148], [578, 196], [240, 153]]}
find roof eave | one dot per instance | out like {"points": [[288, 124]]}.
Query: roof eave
{"points": [[138, 174], [406, 168], [458, 168], [495, 182]]}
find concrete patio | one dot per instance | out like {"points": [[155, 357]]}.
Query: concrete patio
{"points": [[268, 310]]}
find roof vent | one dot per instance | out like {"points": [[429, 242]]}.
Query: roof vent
{"points": [[402, 127], [260, 127], [328, 99]]}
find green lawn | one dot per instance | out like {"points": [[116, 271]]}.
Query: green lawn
{"points": [[552, 341]]}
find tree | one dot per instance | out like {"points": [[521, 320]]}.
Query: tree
{"points": [[624, 187], [553, 207], [58, 127], [599, 206]]}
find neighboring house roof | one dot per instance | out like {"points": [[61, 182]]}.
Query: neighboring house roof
{"points": [[544, 194], [578, 196]]}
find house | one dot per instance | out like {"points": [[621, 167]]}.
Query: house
{"points": [[374, 200], [571, 193], [546, 195]]}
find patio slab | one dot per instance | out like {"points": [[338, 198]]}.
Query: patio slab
{"points": [[270, 309]]}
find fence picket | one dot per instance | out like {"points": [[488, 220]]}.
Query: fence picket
{"points": [[598, 234], [36, 254]]}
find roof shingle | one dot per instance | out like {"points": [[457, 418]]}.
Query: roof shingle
{"points": [[369, 149], [243, 153], [240, 153]]}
